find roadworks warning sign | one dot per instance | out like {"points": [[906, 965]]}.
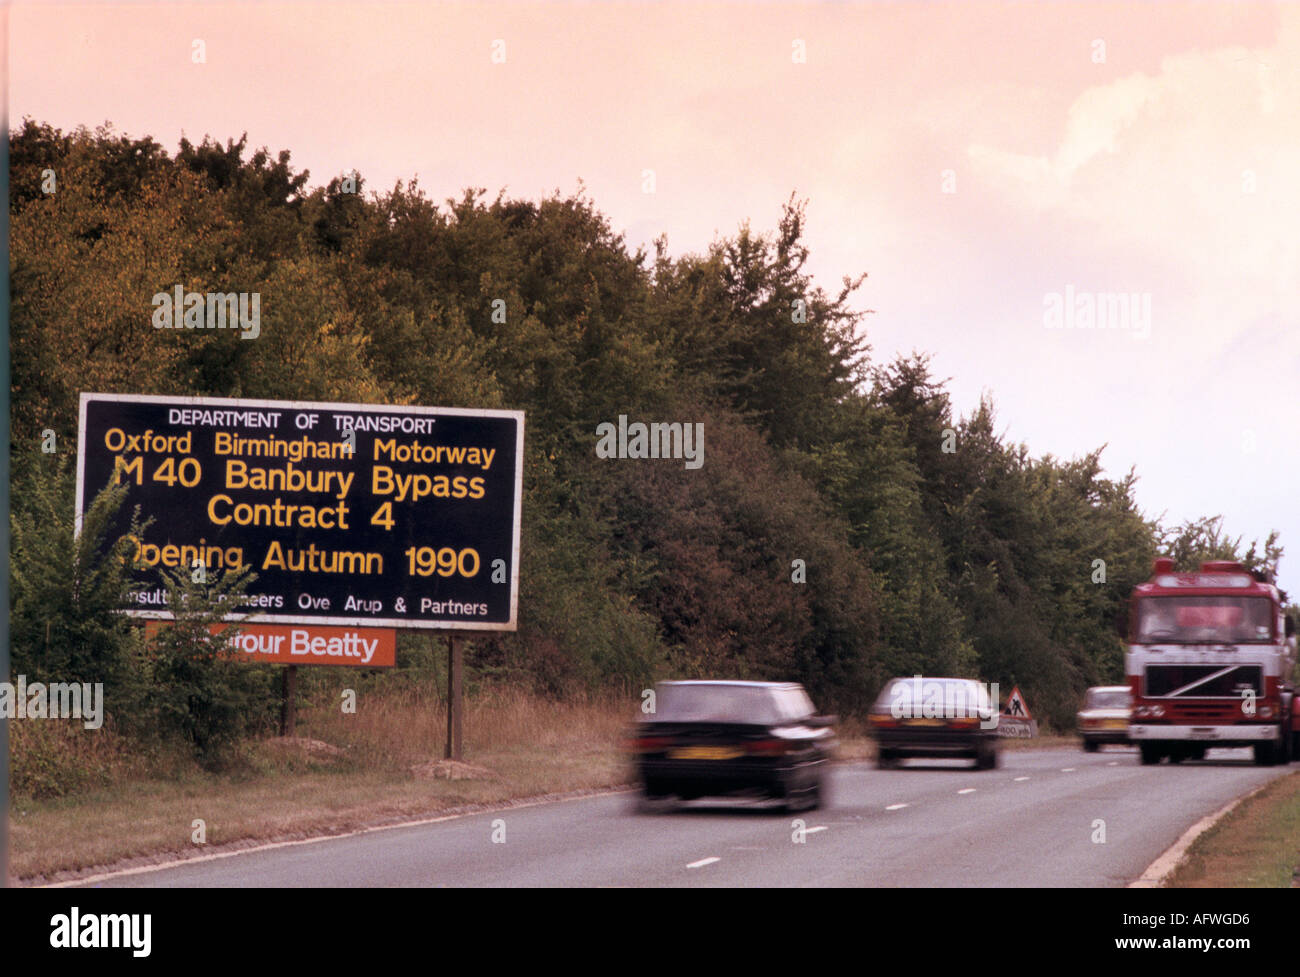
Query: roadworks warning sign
{"points": [[1015, 719]]}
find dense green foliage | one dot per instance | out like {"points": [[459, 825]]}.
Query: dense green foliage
{"points": [[928, 543]]}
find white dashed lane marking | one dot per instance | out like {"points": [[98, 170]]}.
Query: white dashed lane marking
{"points": [[895, 807], [968, 790], [704, 861], [810, 831], [1018, 779]]}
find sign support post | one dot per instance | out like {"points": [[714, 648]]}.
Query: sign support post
{"points": [[288, 689], [455, 702]]}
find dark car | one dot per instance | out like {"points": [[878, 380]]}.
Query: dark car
{"points": [[1104, 716], [711, 739], [935, 717]]}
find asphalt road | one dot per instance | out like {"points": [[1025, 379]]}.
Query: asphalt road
{"points": [[1032, 822]]}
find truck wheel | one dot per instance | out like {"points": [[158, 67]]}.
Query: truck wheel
{"points": [[1090, 746], [1265, 754], [1150, 754], [886, 761]]}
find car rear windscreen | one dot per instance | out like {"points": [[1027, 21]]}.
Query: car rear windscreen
{"points": [[950, 697], [720, 704], [1108, 700]]}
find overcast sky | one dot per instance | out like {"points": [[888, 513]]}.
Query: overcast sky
{"points": [[986, 164]]}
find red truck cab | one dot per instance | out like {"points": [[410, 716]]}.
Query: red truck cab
{"points": [[1210, 662]]}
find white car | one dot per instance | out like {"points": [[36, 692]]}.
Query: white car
{"points": [[1104, 716]]}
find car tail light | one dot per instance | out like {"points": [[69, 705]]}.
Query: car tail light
{"points": [[771, 747], [649, 744]]}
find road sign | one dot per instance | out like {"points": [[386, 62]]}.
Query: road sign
{"points": [[355, 515], [1015, 719], [1015, 707]]}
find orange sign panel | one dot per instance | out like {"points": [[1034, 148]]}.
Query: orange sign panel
{"points": [[309, 644]]}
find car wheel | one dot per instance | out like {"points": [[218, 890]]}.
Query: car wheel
{"points": [[1197, 754], [1150, 754], [1091, 746], [886, 760], [649, 801], [1177, 756], [1265, 754], [817, 798]]}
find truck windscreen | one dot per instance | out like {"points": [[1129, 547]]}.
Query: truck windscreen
{"points": [[1204, 620]]}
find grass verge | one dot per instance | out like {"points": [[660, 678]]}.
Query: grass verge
{"points": [[1257, 845], [342, 772]]}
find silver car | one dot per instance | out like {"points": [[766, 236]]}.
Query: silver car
{"points": [[1104, 716]]}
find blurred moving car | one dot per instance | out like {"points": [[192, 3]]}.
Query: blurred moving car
{"points": [[1104, 716], [935, 717], [707, 739]]}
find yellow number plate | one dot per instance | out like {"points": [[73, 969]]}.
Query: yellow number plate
{"points": [[705, 753], [1115, 723]]}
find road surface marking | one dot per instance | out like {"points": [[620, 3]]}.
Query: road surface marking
{"points": [[269, 846], [968, 790], [895, 807], [1113, 763], [810, 831], [1018, 779], [704, 861], [1067, 770]]}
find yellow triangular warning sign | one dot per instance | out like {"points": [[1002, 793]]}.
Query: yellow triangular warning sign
{"points": [[1015, 706]]}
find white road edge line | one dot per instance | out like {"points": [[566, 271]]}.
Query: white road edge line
{"points": [[895, 807], [1158, 872], [704, 861], [270, 846]]}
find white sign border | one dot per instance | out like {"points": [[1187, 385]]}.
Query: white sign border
{"points": [[517, 415]]}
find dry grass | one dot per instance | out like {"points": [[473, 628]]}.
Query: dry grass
{"points": [[1257, 845], [343, 772]]}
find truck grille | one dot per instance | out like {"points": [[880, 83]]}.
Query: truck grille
{"points": [[1195, 681]]}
